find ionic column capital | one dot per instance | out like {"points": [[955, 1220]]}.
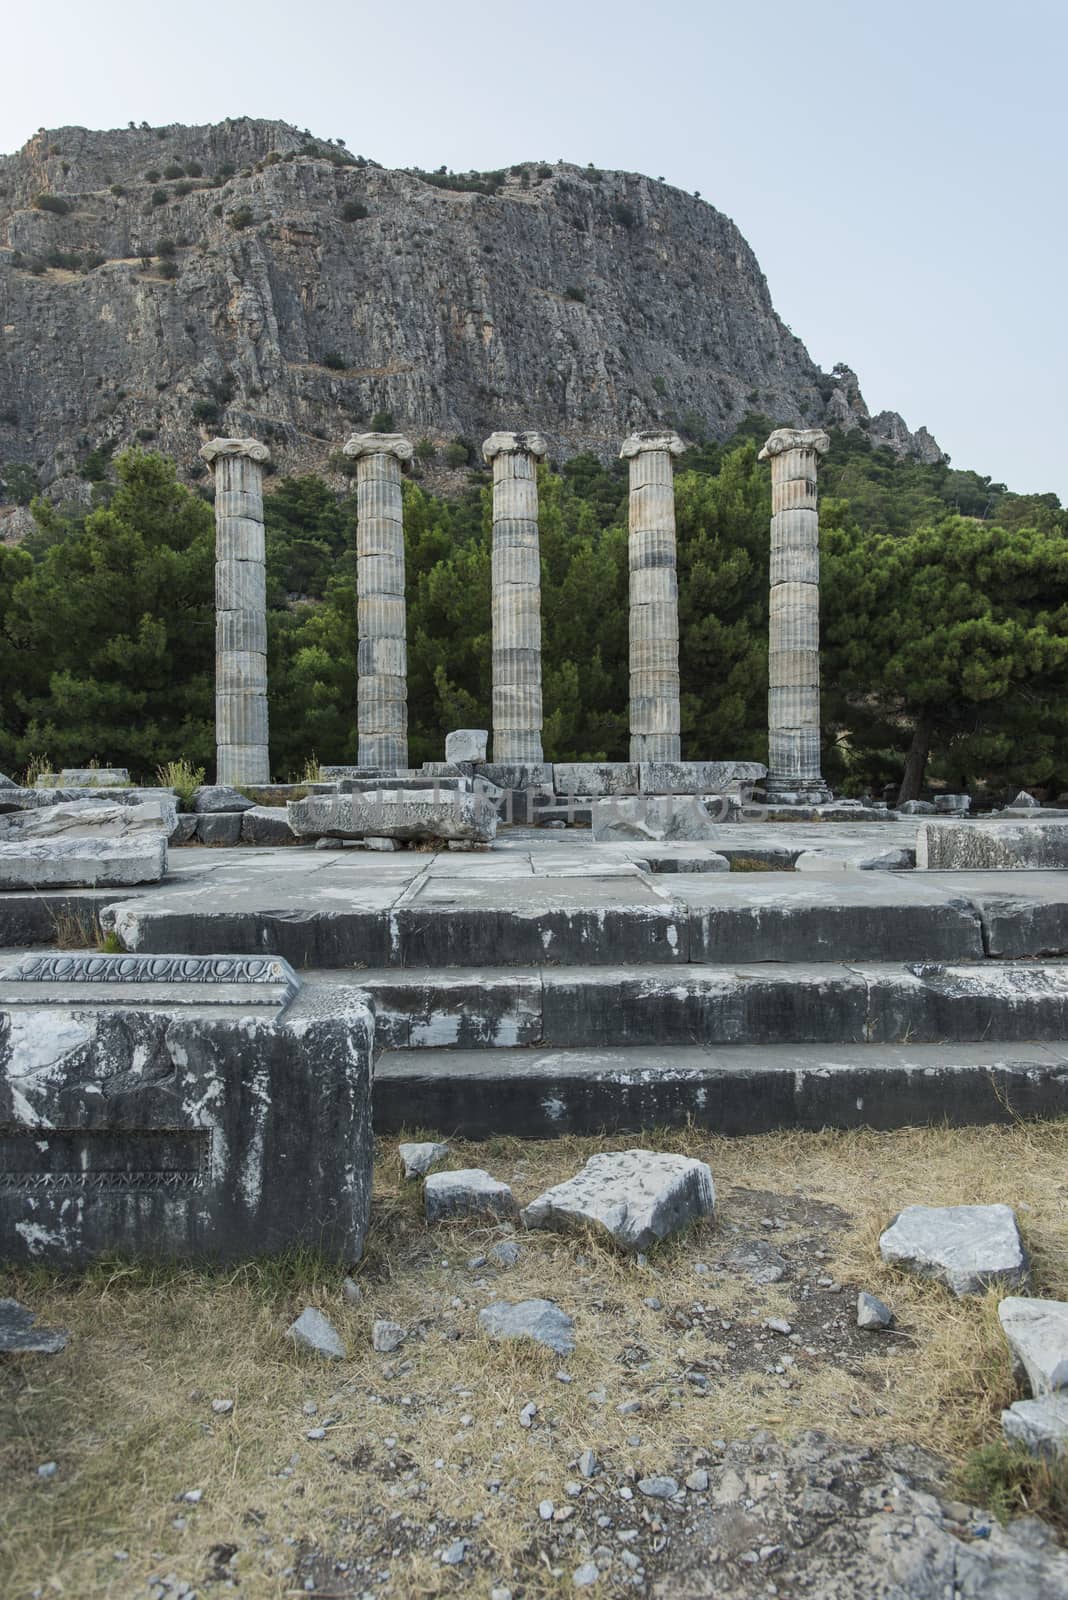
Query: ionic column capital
{"points": [[234, 447], [635, 444], [784, 439], [379, 444], [501, 444]]}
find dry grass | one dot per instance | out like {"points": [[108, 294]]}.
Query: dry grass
{"points": [[126, 1410]]}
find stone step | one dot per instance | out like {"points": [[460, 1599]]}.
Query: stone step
{"points": [[789, 1003], [485, 912], [536, 1093]]}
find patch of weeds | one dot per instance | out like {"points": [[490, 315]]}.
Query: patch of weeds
{"points": [[1011, 1482], [74, 928], [183, 778], [755, 864], [109, 944], [312, 771], [36, 767]]}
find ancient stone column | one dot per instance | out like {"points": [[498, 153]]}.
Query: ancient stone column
{"points": [[654, 598], [516, 597], [241, 755], [382, 651], [794, 621]]}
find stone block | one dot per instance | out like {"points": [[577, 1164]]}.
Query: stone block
{"points": [[637, 1197], [1040, 1426], [1036, 1332], [240, 631], [184, 830], [466, 744], [967, 1248], [220, 797], [85, 777], [240, 586], [82, 861], [595, 777], [960, 846], [470, 1192], [409, 814], [266, 825], [98, 818], [219, 827], [180, 1105], [658, 817]]}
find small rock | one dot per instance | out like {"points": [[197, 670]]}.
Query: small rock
{"points": [[545, 1510], [315, 1433], [500, 1593], [697, 1480], [417, 1159], [629, 1408], [527, 1415], [309, 1408], [587, 1463], [1037, 1335], [351, 1292], [453, 1556], [505, 1254], [47, 1469], [474, 1262], [584, 1576], [540, 1320], [872, 1312], [222, 1408], [468, 1193], [652, 1302], [1024, 802], [658, 1488], [965, 1247], [778, 1325], [312, 1331], [192, 1497], [638, 1197], [386, 1336]]}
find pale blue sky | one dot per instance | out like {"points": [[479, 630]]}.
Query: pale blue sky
{"points": [[899, 171]]}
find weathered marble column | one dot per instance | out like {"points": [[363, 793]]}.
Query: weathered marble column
{"points": [[794, 621], [516, 596], [241, 754], [654, 598], [382, 651]]}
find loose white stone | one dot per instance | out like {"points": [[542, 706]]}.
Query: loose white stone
{"points": [[1037, 1334], [965, 1247], [312, 1331], [639, 1197], [386, 1336], [417, 1159], [540, 1320], [697, 1480], [470, 1192], [658, 1488], [1040, 1426], [545, 1510], [584, 1576], [222, 1408]]}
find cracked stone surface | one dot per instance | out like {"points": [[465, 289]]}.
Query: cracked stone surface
{"points": [[965, 1247], [639, 1197]]}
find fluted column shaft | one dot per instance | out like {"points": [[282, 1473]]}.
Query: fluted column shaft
{"points": [[517, 708], [381, 618], [794, 764], [654, 598], [241, 729]]}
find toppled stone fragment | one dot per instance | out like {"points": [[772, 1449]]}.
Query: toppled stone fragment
{"points": [[872, 1312], [505, 1253], [1007, 846], [1024, 802], [467, 811], [417, 1159], [1037, 1335], [1040, 1426], [658, 817], [80, 861], [540, 1320], [20, 1336], [965, 1247], [98, 818], [470, 1192], [266, 825], [220, 797], [313, 1332], [466, 744], [639, 1197]]}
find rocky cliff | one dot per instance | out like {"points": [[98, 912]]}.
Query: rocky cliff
{"points": [[162, 285]]}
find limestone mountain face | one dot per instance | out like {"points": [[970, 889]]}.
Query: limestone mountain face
{"points": [[246, 279]]}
